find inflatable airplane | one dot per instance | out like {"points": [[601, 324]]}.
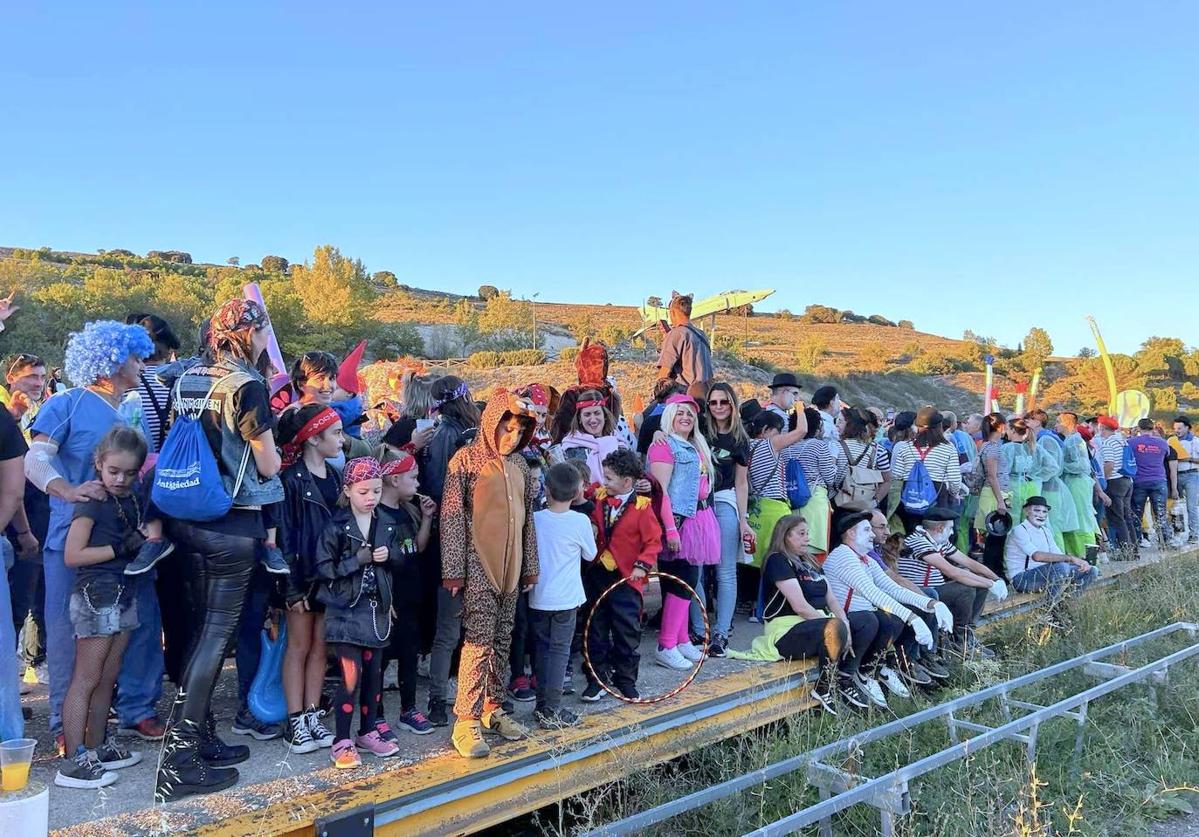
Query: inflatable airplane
{"points": [[653, 315]]}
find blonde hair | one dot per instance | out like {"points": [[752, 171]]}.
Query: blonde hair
{"points": [[697, 439], [416, 394]]}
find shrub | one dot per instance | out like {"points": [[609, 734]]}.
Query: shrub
{"points": [[486, 292], [522, 357], [484, 360], [784, 314], [171, 256], [399, 339], [1189, 392], [568, 355], [809, 354], [907, 324], [879, 319], [1164, 399]]}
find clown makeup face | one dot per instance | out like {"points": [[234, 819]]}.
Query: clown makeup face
{"points": [[785, 397], [860, 538], [509, 435], [1037, 515], [592, 420]]}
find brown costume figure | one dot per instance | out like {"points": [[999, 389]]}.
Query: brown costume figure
{"points": [[489, 553]]}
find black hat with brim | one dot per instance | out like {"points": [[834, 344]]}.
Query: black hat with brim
{"points": [[784, 379], [1038, 500], [844, 523], [937, 514]]}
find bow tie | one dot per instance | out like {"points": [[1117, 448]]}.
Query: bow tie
{"points": [[613, 502]]}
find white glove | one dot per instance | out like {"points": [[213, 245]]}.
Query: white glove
{"points": [[998, 590], [923, 635], [944, 617]]}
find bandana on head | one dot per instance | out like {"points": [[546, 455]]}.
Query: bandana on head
{"points": [[322, 421], [406, 463], [461, 391], [362, 469], [535, 393], [580, 406], [234, 316]]}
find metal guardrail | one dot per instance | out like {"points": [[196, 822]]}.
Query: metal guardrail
{"points": [[889, 793]]}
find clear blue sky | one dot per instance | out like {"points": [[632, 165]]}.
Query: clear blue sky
{"points": [[983, 166]]}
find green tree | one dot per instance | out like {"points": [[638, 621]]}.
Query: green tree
{"points": [[1161, 354], [1164, 399], [274, 264], [466, 324], [334, 289], [487, 292], [506, 322], [1037, 348], [1189, 392], [1086, 352], [820, 314]]}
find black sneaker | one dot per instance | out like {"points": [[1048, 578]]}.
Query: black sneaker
{"points": [[555, 720], [593, 693], [718, 647], [246, 723], [274, 562], [521, 689], [936, 670], [568, 682], [83, 771], [915, 673], [113, 756], [852, 693], [297, 735], [437, 715], [629, 692], [216, 752], [825, 696], [150, 554]]}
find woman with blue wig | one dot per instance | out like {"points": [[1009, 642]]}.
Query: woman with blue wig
{"points": [[104, 361]]}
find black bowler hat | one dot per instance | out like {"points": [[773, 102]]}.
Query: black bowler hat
{"points": [[939, 513], [1038, 500], [784, 379]]}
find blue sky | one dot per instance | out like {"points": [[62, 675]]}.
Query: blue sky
{"points": [[963, 167]]}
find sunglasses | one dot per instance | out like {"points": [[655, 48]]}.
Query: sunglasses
{"points": [[23, 360]]}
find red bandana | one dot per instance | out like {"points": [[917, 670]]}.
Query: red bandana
{"points": [[583, 405], [322, 421], [406, 463], [362, 469]]}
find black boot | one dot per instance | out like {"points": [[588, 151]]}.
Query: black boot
{"points": [[215, 751], [182, 772]]}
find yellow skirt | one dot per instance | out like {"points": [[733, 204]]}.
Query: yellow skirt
{"points": [[817, 512], [764, 514]]}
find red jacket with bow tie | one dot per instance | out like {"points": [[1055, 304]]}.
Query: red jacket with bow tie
{"points": [[631, 535]]}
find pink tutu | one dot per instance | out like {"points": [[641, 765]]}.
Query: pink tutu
{"points": [[700, 538]]}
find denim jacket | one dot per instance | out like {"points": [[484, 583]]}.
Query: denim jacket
{"points": [[684, 478]]}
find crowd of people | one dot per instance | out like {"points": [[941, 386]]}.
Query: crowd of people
{"points": [[164, 509]]}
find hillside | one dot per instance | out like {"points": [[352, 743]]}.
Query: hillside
{"points": [[330, 301]]}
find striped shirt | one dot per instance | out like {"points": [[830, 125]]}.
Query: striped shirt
{"points": [[872, 588], [765, 471], [1112, 450], [912, 565], [819, 467], [941, 461], [151, 391]]}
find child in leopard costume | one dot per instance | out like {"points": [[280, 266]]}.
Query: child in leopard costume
{"points": [[489, 555]]}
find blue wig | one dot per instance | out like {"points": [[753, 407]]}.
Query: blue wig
{"points": [[101, 348]]}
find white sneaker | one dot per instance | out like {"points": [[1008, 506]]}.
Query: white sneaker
{"points": [[1177, 542], [1145, 544], [894, 683], [671, 658], [688, 650], [873, 690], [422, 666]]}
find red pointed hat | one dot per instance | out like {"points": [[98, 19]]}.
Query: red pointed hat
{"points": [[347, 373]]}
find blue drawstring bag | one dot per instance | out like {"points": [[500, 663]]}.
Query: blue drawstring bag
{"points": [[798, 492], [1128, 462], [266, 699], [187, 478], [919, 492]]}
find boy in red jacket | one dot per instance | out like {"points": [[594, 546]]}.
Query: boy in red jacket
{"points": [[628, 538]]}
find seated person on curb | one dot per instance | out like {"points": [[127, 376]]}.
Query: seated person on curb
{"points": [[1033, 561], [886, 554], [931, 559]]}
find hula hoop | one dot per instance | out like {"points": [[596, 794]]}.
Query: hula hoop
{"points": [[694, 670]]}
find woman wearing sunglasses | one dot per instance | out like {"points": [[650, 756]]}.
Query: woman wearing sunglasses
{"points": [[729, 444]]}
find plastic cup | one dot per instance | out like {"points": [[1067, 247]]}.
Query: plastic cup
{"points": [[15, 757]]}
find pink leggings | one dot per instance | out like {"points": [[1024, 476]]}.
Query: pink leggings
{"points": [[675, 611]]}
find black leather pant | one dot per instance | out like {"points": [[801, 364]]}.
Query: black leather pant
{"points": [[219, 568]]}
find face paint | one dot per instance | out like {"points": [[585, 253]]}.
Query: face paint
{"points": [[863, 537]]}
